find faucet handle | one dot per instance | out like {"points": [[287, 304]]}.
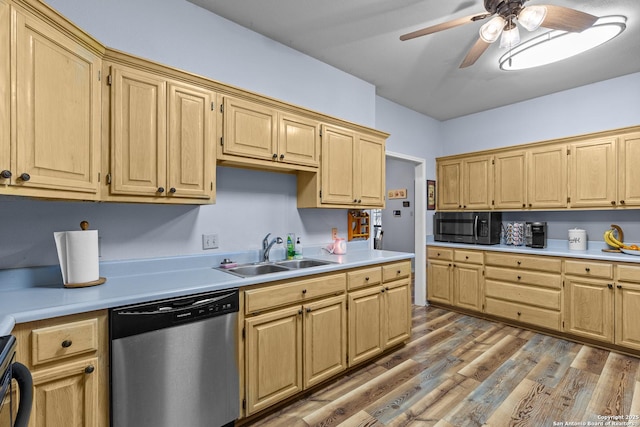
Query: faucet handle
{"points": [[265, 241]]}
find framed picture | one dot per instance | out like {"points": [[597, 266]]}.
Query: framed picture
{"points": [[431, 195]]}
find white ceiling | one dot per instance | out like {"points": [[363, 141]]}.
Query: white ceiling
{"points": [[361, 37]]}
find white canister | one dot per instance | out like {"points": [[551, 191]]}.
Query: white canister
{"points": [[577, 239]]}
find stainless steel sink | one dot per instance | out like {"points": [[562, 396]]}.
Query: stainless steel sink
{"points": [[258, 269], [303, 263]]}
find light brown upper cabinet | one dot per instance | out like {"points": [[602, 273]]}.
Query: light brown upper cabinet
{"points": [[161, 137], [352, 172], [629, 170], [257, 134], [510, 180], [465, 183], [547, 176], [605, 173], [54, 150]]}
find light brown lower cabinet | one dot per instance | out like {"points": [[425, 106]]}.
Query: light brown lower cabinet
{"points": [[299, 333], [68, 359], [583, 298]]}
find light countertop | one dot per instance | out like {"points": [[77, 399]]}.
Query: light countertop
{"points": [[554, 248], [38, 293]]}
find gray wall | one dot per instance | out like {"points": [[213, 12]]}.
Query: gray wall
{"points": [[399, 230]]}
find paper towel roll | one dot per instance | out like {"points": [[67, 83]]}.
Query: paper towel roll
{"points": [[78, 255], [577, 239]]}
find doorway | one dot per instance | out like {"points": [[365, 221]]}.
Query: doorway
{"points": [[404, 224]]}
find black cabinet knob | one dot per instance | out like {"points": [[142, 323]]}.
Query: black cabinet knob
{"points": [[587, 269], [281, 156], [610, 286], [308, 310], [89, 369], [275, 156], [304, 291], [5, 174], [622, 202], [172, 190], [25, 176], [66, 343], [160, 189]]}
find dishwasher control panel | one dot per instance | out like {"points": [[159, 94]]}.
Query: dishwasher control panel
{"points": [[139, 318]]}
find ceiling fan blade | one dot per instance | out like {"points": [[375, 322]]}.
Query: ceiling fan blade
{"points": [[474, 53], [444, 26], [566, 19]]}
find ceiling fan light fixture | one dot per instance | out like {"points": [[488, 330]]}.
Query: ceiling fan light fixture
{"points": [[490, 31], [510, 37], [556, 45], [531, 17]]}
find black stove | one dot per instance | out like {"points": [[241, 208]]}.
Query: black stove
{"points": [[10, 369], [7, 353]]}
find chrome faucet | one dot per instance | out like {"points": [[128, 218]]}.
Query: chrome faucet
{"points": [[266, 246]]}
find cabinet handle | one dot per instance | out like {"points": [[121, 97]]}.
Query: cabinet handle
{"points": [[610, 286], [464, 207], [89, 369], [449, 264], [25, 177], [275, 156], [524, 205], [613, 202], [519, 314], [459, 206], [172, 190], [300, 311], [530, 205], [160, 189], [382, 290], [66, 343], [5, 174], [466, 257], [355, 200], [438, 254], [398, 272], [386, 288], [622, 202], [619, 286], [519, 277], [304, 291], [308, 310], [366, 279], [518, 262], [587, 269], [281, 156]]}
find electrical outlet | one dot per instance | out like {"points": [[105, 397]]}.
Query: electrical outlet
{"points": [[334, 233], [210, 241]]}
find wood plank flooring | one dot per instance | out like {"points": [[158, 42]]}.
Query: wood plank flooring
{"points": [[463, 371]]}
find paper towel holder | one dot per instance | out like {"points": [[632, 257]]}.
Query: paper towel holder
{"points": [[84, 225]]}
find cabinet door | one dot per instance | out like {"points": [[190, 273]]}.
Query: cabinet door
{"points": [[628, 315], [57, 110], [589, 309], [325, 339], [191, 160], [467, 283], [477, 182], [439, 286], [510, 184], [338, 147], [5, 91], [273, 357], [298, 140], [66, 395], [449, 185], [547, 177], [396, 321], [138, 132], [365, 324], [250, 129], [594, 174], [370, 169], [629, 170]]}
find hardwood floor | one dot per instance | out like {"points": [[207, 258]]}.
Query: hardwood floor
{"points": [[463, 371]]}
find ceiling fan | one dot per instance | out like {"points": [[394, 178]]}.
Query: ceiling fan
{"points": [[508, 12]]}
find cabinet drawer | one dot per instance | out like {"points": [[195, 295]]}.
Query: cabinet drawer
{"points": [[364, 277], [545, 298], [589, 269], [440, 253], [524, 276], [523, 313], [292, 293], [64, 340], [549, 264], [396, 271], [628, 273], [472, 257]]}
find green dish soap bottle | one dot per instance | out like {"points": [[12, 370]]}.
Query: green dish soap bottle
{"points": [[291, 251]]}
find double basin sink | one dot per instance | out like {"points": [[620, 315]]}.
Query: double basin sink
{"points": [[260, 268]]}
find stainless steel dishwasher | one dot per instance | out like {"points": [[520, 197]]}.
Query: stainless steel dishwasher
{"points": [[173, 362]]}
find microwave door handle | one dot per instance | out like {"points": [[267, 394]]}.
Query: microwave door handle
{"points": [[475, 228]]}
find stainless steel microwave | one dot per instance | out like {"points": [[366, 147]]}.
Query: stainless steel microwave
{"points": [[481, 228]]}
